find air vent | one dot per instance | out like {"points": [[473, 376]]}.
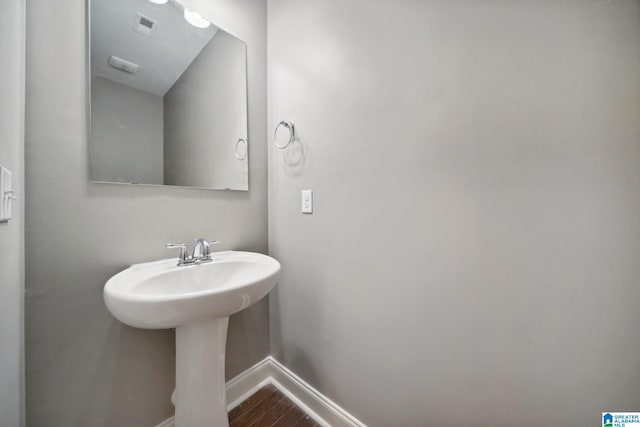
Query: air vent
{"points": [[144, 24], [123, 65]]}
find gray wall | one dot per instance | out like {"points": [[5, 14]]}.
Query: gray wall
{"points": [[205, 114], [473, 255], [126, 133], [84, 368], [12, 51]]}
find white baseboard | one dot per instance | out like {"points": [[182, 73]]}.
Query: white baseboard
{"points": [[270, 371], [167, 423], [247, 383]]}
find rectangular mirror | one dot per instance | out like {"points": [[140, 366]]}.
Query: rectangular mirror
{"points": [[168, 97]]}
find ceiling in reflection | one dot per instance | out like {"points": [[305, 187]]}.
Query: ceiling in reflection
{"points": [[162, 53]]}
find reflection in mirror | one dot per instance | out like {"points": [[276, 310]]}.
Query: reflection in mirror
{"points": [[168, 97]]}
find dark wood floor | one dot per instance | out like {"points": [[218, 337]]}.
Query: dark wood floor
{"points": [[266, 408]]}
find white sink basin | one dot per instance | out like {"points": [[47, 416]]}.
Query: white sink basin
{"points": [[159, 295], [197, 300]]}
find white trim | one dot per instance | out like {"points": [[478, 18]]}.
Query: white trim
{"points": [[167, 423], [315, 404], [247, 383], [270, 371]]}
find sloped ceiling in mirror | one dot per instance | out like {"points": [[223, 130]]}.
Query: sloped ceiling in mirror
{"points": [[162, 55]]}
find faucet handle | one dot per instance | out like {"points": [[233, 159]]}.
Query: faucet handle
{"points": [[183, 250], [211, 243], [205, 248]]}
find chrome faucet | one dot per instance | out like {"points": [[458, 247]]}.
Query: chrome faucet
{"points": [[201, 252]]}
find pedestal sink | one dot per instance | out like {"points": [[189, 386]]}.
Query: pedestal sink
{"points": [[197, 300]]}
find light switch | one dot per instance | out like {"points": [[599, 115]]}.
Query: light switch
{"points": [[307, 201], [6, 194]]}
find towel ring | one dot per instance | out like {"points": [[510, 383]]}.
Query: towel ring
{"points": [[292, 134], [246, 149]]}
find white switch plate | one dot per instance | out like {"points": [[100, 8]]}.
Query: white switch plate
{"points": [[307, 201], [5, 191]]}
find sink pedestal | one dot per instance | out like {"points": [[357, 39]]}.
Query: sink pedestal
{"points": [[200, 382]]}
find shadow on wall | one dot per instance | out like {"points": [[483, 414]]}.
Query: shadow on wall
{"points": [[295, 358], [119, 389], [297, 157], [244, 327], [302, 363]]}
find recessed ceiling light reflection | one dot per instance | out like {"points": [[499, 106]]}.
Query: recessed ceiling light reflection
{"points": [[195, 19], [159, 1]]}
